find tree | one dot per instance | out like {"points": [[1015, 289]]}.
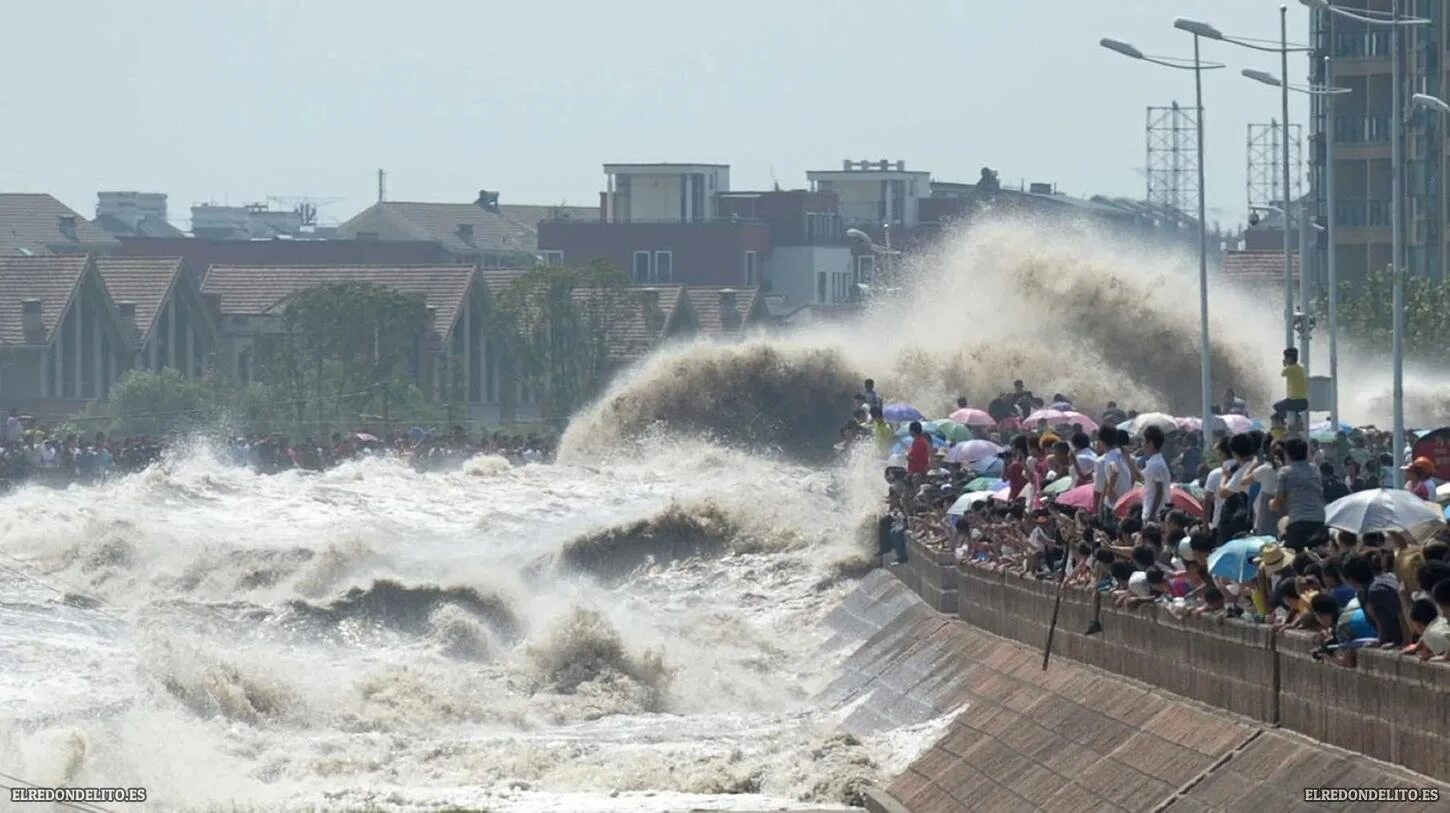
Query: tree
{"points": [[344, 341], [164, 402], [560, 328], [1366, 314]]}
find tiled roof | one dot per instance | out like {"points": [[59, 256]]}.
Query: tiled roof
{"points": [[491, 231], [1258, 264], [30, 223], [499, 279], [146, 227], [199, 253], [654, 313], [530, 216], [255, 291], [51, 279], [146, 282], [705, 301]]}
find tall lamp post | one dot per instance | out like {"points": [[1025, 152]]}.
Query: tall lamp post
{"points": [[1394, 22], [1198, 66], [1326, 92], [1202, 29]]}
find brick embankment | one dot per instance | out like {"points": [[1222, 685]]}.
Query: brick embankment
{"points": [[1074, 737]]}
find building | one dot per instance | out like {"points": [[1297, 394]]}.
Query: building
{"points": [[36, 224], [672, 223], [727, 313], [61, 344], [160, 307], [476, 233], [872, 194], [197, 254], [134, 214], [253, 221], [1360, 132], [456, 350]]}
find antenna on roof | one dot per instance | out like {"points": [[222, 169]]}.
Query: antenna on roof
{"points": [[382, 186]]}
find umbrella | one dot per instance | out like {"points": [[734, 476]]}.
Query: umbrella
{"points": [[973, 451], [965, 502], [1057, 486], [1003, 494], [972, 417], [1380, 510], [1080, 497], [365, 437], [1232, 559], [983, 484], [1177, 495], [1061, 417], [1192, 424], [1161, 420], [1442, 491], [951, 430], [896, 413], [1238, 424]]}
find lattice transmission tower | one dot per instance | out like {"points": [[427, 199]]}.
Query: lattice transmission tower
{"points": [[1173, 157], [1265, 169]]}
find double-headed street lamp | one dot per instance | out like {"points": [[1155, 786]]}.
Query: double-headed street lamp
{"points": [[1326, 92], [1198, 66], [1394, 22], [1202, 29]]}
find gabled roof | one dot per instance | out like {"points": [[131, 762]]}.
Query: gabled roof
{"points": [[707, 301], [146, 282], [51, 279], [1259, 265], [491, 231], [200, 253], [146, 227], [499, 279], [653, 313], [530, 216], [258, 291], [30, 224]]}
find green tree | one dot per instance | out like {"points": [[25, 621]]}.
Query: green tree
{"points": [[1366, 314], [345, 342], [558, 328], [164, 402]]}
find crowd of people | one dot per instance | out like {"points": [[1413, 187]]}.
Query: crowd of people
{"points": [[31, 453], [1151, 517]]}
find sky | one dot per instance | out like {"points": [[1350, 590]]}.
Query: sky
{"points": [[235, 102]]}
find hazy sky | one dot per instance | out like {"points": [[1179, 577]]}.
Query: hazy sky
{"points": [[236, 101]]}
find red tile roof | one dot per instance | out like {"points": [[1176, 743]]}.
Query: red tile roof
{"points": [[30, 225], [1256, 265], [653, 313], [499, 279], [145, 282], [257, 291], [706, 302], [50, 278], [198, 253]]}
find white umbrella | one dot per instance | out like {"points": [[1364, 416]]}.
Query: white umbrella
{"points": [[1378, 510], [973, 451], [1162, 421]]}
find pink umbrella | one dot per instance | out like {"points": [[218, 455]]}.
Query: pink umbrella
{"points": [[973, 451], [1079, 497], [1062, 417], [972, 417], [1179, 496], [1002, 493]]}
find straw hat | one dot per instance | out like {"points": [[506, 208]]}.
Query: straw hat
{"points": [[1274, 558]]}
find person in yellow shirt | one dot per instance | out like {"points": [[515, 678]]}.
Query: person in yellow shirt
{"points": [[1296, 385], [884, 435]]}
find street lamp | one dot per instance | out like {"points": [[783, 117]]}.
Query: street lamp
{"points": [[1198, 28], [1326, 92], [1198, 66], [1394, 22]]}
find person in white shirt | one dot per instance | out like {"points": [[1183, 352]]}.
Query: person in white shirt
{"points": [[1157, 479], [15, 426], [1112, 477], [1240, 481], [1213, 506], [1085, 461]]}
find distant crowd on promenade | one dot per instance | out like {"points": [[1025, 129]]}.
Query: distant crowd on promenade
{"points": [[32, 453], [1265, 525]]}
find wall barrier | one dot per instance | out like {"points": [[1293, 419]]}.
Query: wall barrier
{"points": [[1391, 707]]}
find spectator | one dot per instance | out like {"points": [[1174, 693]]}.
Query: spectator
{"points": [[885, 438], [1379, 595], [1112, 416], [1353, 482], [1429, 629], [918, 457], [1300, 496], [870, 397], [1296, 384], [1333, 487], [1157, 480], [1417, 478]]}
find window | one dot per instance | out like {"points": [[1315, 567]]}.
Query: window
{"points": [[820, 286], [865, 268], [641, 266], [749, 268], [554, 258], [664, 266]]}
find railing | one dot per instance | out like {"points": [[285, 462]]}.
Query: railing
{"points": [[1361, 44], [1354, 212], [1362, 129]]}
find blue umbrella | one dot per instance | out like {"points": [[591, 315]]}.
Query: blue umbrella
{"points": [[902, 412], [1232, 559]]}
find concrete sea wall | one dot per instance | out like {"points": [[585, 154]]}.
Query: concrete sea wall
{"points": [[1150, 714]]}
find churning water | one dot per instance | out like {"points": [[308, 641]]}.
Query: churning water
{"points": [[634, 628]]}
